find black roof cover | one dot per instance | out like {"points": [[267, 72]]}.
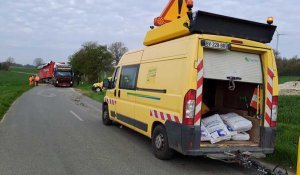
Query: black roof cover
{"points": [[209, 23]]}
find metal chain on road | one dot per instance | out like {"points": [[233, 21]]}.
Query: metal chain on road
{"points": [[244, 160]]}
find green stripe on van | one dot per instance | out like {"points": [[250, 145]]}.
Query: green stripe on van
{"points": [[143, 96]]}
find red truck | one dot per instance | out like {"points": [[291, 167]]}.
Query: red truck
{"points": [[57, 73]]}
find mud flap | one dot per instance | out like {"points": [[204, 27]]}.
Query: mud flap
{"points": [[182, 138]]}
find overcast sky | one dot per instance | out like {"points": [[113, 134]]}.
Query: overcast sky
{"points": [[54, 29]]}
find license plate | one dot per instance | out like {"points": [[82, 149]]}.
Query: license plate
{"points": [[215, 45]]}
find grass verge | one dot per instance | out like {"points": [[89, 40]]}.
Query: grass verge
{"points": [[283, 79], [12, 85], [86, 89], [288, 132]]}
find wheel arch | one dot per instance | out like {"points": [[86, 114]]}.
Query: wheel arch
{"points": [[154, 124]]}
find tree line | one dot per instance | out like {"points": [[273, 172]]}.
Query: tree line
{"points": [[288, 66], [94, 62]]}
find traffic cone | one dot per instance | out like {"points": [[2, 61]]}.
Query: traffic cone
{"points": [[255, 99]]}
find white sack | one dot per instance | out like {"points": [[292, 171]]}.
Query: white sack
{"points": [[232, 132], [216, 128], [236, 122], [205, 136], [243, 136]]}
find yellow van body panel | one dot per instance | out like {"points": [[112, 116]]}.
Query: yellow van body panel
{"points": [[168, 70]]}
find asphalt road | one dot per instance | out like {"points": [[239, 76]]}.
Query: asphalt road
{"points": [[58, 131]]}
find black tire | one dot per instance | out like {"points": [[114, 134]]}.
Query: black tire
{"points": [[105, 116], [160, 144]]}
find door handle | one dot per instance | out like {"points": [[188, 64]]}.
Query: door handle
{"points": [[119, 94], [115, 93]]}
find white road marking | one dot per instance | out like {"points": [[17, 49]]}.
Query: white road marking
{"points": [[80, 119]]}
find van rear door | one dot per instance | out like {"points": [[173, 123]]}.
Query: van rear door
{"points": [[224, 64]]}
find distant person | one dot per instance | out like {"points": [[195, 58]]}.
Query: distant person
{"points": [[30, 80], [37, 79]]}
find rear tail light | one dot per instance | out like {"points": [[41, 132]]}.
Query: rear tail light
{"points": [[274, 111], [189, 106]]}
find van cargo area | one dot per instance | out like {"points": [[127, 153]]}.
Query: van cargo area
{"points": [[221, 100]]}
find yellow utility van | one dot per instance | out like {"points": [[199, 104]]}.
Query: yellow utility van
{"points": [[160, 90]]}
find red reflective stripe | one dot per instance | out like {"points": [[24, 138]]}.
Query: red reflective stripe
{"points": [[269, 103], [268, 119], [270, 89], [176, 119], [169, 117], [162, 116], [200, 83], [200, 66], [155, 114], [199, 100], [270, 73], [199, 96]]}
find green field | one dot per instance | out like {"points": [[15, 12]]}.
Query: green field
{"points": [[12, 85], [288, 132], [86, 89], [283, 79]]}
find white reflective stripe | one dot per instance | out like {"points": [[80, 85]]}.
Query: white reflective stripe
{"points": [[266, 124], [152, 113], [255, 98], [270, 81], [166, 117], [268, 111], [198, 108], [172, 118], [198, 122], [199, 91], [198, 63], [158, 114], [274, 113], [269, 96], [200, 75]]}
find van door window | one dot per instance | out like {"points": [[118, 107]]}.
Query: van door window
{"points": [[129, 77], [115, 78]]}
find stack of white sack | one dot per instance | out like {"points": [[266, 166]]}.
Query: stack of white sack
{"points": [[216, 128], [239, 125]]}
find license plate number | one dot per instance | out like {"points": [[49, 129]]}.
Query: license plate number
{"points": [[215, 45]]}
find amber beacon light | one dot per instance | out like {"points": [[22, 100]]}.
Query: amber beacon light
{"points": [[270, 20]]}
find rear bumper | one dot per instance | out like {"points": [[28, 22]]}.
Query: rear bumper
{"points": [[64, 84], [187, 139]]}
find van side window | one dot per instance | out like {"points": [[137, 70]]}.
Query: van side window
{"points": [[129, 77], [115, 78]]}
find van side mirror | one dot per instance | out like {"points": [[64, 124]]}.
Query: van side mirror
{"points": [[106, 84]]}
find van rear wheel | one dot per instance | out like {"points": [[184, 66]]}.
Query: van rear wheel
{"points": [[160, 144], [105, 116]]}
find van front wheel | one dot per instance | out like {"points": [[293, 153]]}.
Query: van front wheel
{"points": [[160, 145], [105, 116]]}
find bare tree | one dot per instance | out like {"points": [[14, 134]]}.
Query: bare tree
{"points": [[38, 61], [117, 49], [10, 60]]}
